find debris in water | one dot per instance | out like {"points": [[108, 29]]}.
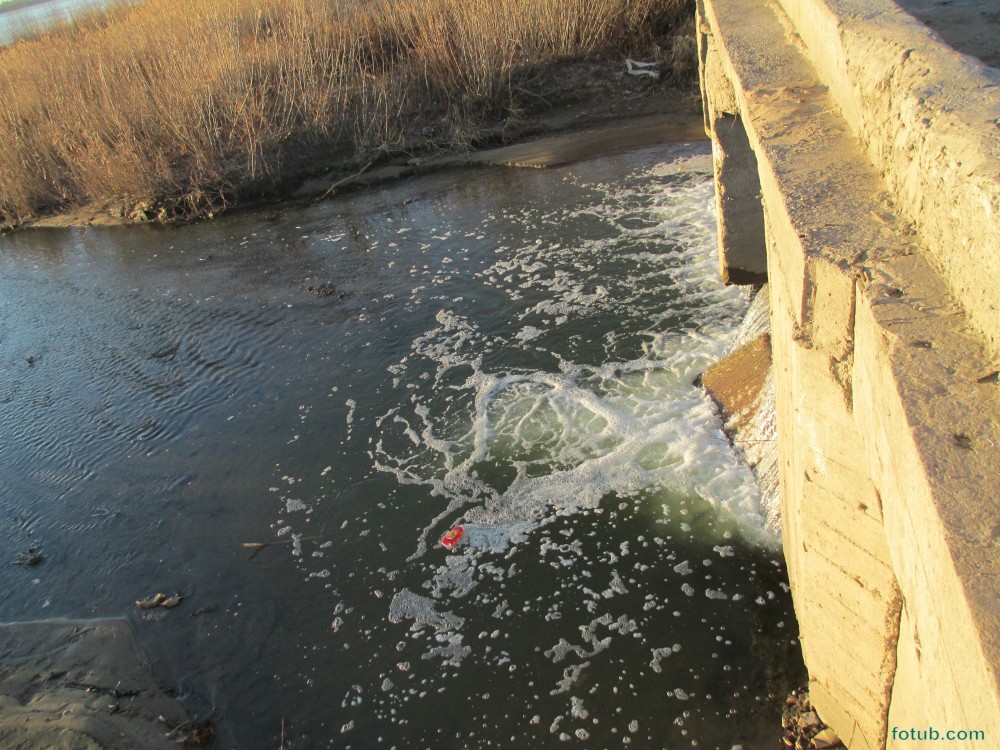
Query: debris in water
{"points": [[197, 734], [153, 601], [29, 559], [637, 68], [452, 537], [171, 601], [261, 545], [802, 726], [159, 600], [258, 546]]}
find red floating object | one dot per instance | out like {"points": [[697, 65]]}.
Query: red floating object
{"points": [[452, 538]]}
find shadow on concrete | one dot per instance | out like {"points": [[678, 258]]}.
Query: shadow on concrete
{"points": [[970, 26]]}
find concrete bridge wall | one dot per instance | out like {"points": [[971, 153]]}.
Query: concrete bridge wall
{"points": [[858, 171]]}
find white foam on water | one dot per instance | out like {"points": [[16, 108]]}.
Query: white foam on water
{"points": [[409, 606], [659, 654], [421, 610], [575, 436], [512, 449], [514, 424]]}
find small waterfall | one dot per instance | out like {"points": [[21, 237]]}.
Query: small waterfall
{"points": [[743, 386]]}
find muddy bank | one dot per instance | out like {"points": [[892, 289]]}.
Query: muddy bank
{"points": [[86, 684]]}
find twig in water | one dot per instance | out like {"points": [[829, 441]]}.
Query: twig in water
{"points": [[338, 183], [258, 546], [261, 545]]}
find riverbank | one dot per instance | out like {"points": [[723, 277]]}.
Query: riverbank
{"points": [[598, 119], [86, 683], [159, 112]]}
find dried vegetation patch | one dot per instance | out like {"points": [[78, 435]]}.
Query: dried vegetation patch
{"points": [[176, 108]]}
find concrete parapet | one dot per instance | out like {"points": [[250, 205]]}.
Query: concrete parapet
{"points": [[880, 192], [929, 119]]}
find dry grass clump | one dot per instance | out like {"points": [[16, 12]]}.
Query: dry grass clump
{"points": [[181, 105]]}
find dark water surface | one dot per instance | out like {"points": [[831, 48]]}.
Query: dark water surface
{"points": [[510, 350]]}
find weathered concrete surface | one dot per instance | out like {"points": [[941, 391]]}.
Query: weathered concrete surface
{"points": [[876, 150], [928, 118], [742, 252], [970, 26]]}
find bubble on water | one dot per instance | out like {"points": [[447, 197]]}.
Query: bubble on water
{"points": [[490, 538], [623, 624], [617, 586], [570, 675], [528, 333], [559, 652], [409, 606], [452, 651], [659, 654], [569, 437], [457, 576]]}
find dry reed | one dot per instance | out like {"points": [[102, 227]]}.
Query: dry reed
{"points": [[178, 106]]}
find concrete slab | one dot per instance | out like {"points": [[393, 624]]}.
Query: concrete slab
{"points": [[971, 27]]}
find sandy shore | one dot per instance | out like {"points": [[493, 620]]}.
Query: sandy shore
{"points": [[85, 684]]}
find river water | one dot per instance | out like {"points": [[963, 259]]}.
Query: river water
{"points": [[509, 350], [17, 19]]}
